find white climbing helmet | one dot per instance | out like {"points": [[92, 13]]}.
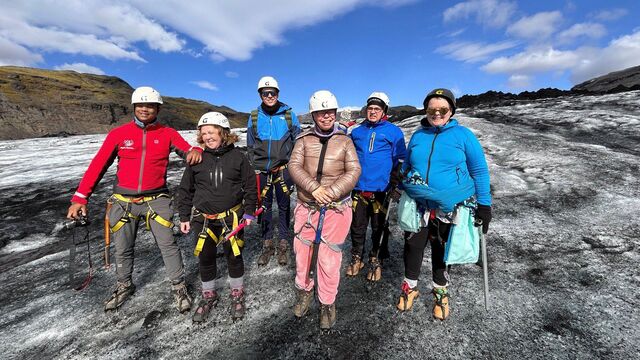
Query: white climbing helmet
{"points": [[146, 94], [322, 100], [268, 81], [214, 118], [380, 96]]}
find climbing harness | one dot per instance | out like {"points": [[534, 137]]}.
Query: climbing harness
{"points": [[236, 243], [279, 179], [313, 208], [72, 254], [128, 216], [367, 198]]}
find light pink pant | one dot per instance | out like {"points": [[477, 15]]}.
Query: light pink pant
{"points": [[335, 230]]}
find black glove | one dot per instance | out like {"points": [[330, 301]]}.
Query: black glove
{"points": [[396, 177], [483, 213]]}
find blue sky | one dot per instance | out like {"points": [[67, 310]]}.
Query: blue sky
{"points": [[216, 50]]}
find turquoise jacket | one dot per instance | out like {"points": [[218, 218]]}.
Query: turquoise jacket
{"points": [[445, 165]]}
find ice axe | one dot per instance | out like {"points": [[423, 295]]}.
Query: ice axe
{"points": [[313, 274], [485, 271], [242, 225]]}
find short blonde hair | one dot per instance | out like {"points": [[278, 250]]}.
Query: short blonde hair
{"points": [[228, 137]]}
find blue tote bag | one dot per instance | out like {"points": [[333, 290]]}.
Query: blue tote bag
{"points": [[463, 246]]}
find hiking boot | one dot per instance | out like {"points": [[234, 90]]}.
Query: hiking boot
{"points": [[122, 293], [237, 304], [303, 301], [181, 297], [407, 297], [441, 303], [375, 269], [283, 248], [267, 252], [327, 316], [355, 266], [207, 303]]}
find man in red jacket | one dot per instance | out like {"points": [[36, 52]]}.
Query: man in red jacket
{"points": [[140, 191]]}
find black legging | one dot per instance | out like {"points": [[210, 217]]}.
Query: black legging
{"points": [[414, 244], [207, 257], [362, 214]]}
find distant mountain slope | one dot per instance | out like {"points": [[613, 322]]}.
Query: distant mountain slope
{"points": [[37, 102], [617, 81]]}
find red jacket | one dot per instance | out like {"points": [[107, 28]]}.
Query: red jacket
{"points": [[143, 156]]}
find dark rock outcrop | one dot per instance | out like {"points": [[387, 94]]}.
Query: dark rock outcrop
{"points": [[37, 102], [614, 82]]}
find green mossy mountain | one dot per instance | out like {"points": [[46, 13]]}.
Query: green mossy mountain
{"points": [[39, 102]]}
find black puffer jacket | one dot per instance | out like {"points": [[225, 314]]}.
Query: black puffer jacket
{"points": [[221, 181]]}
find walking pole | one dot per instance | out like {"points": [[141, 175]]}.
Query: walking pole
{"points": [[485, 270]]}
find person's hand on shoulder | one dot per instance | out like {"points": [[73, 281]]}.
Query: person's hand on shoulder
{"points": [[194, 157]]}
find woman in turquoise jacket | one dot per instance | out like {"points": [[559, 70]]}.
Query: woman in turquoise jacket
{"points": [[445, 166]]}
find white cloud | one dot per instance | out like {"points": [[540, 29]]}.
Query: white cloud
{"points": [[473, 52], [14, 54], [609, 15], [583, 63], [205, 85], [519, 81], [53, 39], [491, 13], [533, 61], [590, 30], [231, 74], [114, 29], [538, 26], [235, 29], [81, 68], [621, 53]]}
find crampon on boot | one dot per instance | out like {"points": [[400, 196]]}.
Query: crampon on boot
{"points": [[268, 250], [207, 303], [283, 248], [181, 297], [122, 293], [440, 303], [303, 301], [237, 304], [375, 269], [355, 266], [327, 316], [407, 297]]}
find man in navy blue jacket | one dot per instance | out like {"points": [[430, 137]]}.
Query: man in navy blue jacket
{"points": [[271, 132], [380, 146]]}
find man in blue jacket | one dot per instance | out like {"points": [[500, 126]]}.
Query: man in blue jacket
{"points": [[271, 132], [381, 148]]}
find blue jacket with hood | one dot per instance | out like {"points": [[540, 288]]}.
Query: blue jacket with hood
{"points": [[272, 145], [380, 147], [449, 164]]}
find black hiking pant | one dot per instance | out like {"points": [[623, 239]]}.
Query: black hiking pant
{"points": [[207, 257], [363, 213], [436, 233]]}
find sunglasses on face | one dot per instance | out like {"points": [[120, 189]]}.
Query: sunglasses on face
{"points": [[432, 111], [268, 93]]}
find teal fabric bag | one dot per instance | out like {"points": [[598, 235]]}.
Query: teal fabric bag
{"points": [[463, 246], [408, 214]]}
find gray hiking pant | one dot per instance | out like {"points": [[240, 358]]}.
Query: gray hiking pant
{"points": [[124, 239]]}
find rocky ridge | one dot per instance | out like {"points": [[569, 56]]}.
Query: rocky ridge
{"points": [[40, 103]]}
